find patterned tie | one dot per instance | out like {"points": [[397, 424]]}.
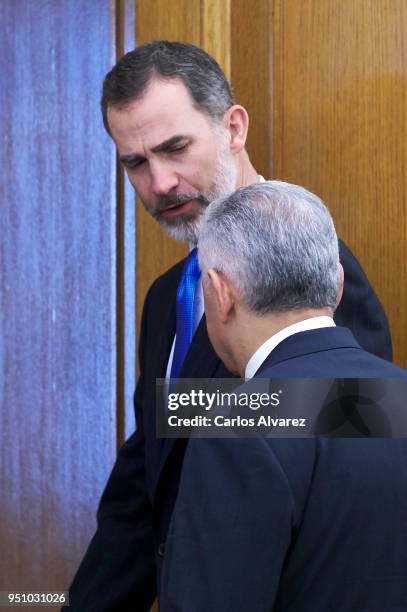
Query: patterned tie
{"points": [[185, 311]]}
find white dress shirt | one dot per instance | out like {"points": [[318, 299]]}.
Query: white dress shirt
{"points": [[269, 345]]}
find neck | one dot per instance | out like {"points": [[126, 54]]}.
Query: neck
{"points": [[246, 171], [252, 330]]}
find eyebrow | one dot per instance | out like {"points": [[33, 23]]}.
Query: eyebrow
{"points": [[160, 148]]}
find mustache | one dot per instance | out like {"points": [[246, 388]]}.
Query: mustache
{"points": [[177, 199]]}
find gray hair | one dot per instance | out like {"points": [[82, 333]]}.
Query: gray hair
{"points": [[276, 243], [201, 74]]}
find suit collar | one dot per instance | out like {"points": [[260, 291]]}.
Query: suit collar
{"points": [[307, 342], [273, 341]]}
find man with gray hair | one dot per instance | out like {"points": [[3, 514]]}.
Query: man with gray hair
{"points": [[272, 524]]}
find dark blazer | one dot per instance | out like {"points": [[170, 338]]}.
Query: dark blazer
{"points": [[299, 525], [121, 568]]}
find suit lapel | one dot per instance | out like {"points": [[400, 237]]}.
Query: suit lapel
{"points": [[165, 340], [201, 362], [164, 322]]}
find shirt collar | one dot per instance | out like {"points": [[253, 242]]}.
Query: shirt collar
{"points": [[269, 345]]}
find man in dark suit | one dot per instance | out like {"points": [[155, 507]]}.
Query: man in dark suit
{"points": [[181, 138], [272, 524]]}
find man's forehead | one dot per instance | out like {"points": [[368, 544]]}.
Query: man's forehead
{"points": [[165, 111], [160, 86], [161, 97]]}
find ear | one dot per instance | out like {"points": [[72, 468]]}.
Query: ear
{"points": [[223, 294], [236, 122], [340, 285]]}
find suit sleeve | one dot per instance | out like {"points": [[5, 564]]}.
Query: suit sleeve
{"points": [[361, 310], [118, 570], [230, 530]]}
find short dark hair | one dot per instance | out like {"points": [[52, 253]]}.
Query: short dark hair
{"points": [[200, 73]]}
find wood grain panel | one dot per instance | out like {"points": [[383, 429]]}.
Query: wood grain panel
{"points": [[57, 262], [251, 75], [216, 31], [340, 128]]}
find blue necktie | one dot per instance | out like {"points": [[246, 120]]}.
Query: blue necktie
{"points": [[185, 311]]}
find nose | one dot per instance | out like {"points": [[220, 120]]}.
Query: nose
{"points": [[163, 179]]}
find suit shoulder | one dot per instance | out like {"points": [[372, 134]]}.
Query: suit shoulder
{"points": [[337, 363], [388, 369]]}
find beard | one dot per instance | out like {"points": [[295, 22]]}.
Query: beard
{"points": [[186, 227]]}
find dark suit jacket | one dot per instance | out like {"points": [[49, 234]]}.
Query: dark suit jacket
{"points": [[121, 568], [311, 525]]}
